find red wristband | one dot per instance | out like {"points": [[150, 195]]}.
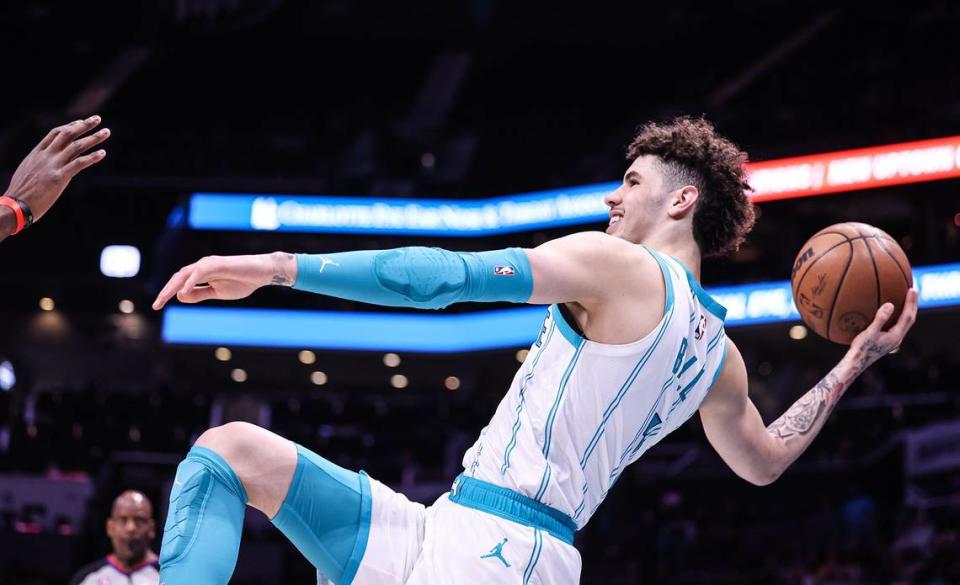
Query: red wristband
{"points": [[14, 205]]}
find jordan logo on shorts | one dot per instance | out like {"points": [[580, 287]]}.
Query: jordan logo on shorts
{"points": [[497, 553]]}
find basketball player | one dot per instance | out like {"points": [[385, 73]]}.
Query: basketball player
{"points": [[44, 174], [629, 349]]}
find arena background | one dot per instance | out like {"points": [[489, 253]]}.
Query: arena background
{"points": [[468, 100]]}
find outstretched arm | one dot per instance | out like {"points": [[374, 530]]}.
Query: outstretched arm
{"points": [[46, 171], [582, 267], [761, 454]]}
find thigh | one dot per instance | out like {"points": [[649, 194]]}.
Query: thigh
{"points": [[395, 538], [353, 529], [463, 546]]}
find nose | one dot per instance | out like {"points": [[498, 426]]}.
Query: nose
{"points": [[613, 198]]}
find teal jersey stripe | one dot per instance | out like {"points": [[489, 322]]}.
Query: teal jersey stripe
{"points": [[713, 340], [668, 306], [623, 390], [715, 343], [667, 279], [548, 438], [687, 388], [523, 389], [556, 403], [576, 513], [534, 555], [723, 360], [646, 423], [544, 482]]}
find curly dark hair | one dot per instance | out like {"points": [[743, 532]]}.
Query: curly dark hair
{"points": [[692, 153]]}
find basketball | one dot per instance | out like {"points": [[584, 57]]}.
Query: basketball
{"points": [[843, 274]]}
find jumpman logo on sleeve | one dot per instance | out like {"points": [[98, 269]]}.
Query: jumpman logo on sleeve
{"points": [[324, 261], [497, 553]]}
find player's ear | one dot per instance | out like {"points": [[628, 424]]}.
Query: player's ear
{"points": [[683, 202]]}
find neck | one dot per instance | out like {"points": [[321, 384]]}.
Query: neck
{"points": [[683, 249]]}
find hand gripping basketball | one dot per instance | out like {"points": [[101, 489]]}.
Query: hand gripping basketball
{"points": [[873, 342], [844, 274]]}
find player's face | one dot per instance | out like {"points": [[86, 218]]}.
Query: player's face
{"points": [[131, 528], [640, 201]]}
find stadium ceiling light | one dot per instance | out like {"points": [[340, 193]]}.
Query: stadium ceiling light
{"points": [[126, 307], [307, 357], [798, 332], [318, 378], [120, 261], [391, 360], [399, 381], [8, 377], [451, 383], [223, 354], [238, 375], [47, 304]]}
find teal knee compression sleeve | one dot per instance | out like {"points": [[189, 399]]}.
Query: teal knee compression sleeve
{"points": [[201, 537], [424, 278], [326, 515]]}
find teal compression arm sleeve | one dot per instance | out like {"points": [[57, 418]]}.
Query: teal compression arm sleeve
{"points": [[424, 278]]}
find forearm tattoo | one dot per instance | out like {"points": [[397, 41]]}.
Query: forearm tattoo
{"points": [[280, 278], [805, 413], [872, 351]]}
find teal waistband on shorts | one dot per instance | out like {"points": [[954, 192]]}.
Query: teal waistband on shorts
{"points": [[508, 504]]}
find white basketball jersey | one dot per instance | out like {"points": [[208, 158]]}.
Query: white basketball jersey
{"points": [[578, 412]]}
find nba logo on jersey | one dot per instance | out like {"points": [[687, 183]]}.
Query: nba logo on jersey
{"points": [[504, 270], [701, 329]]}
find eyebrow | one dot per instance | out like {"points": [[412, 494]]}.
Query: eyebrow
{"points": [[633, 174]]}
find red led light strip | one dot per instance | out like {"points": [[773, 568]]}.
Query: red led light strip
{"points": [[854, 170]]}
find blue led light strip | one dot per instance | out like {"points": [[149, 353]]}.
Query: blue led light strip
{"points": [[749, 304], [420, 332], [423, 217]]}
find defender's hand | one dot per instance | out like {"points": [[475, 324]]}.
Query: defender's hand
{"points": [[873, 342], [220, 277], [44, 174]]}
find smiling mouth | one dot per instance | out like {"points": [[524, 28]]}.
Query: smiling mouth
{"points": [[615, 219]]}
